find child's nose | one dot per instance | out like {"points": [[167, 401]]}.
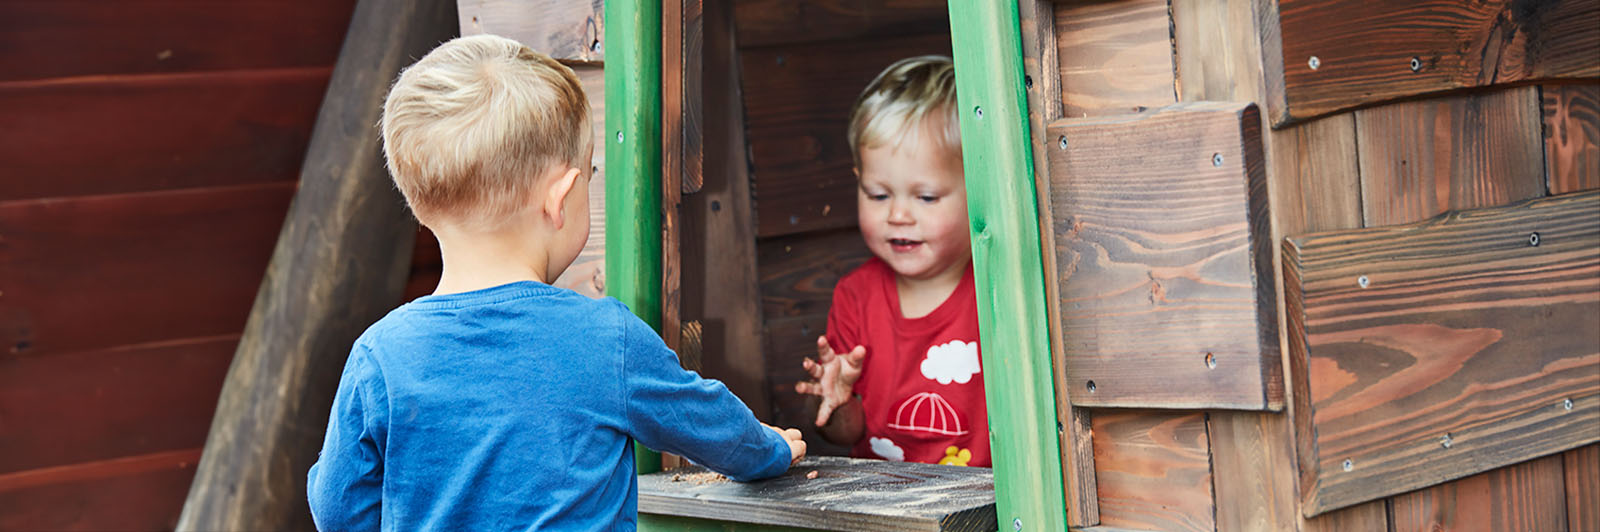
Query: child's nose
{"points": [[898, 213]]}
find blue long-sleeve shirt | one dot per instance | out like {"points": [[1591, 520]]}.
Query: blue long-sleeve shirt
{"points": [[511, 408]]}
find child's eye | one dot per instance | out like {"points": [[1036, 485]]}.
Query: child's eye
{"points": [[928, 199], [877, 197]]}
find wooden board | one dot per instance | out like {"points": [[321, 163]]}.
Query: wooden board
{"points": [[85, 37], [1164, 259], [1464, 330], [797, 100], [211, 245], [106, 404], [798, 272], [566, 30], [1381, 51], [785, 343], [135, 133], [847, 494], [1581, 467], [1512, 498], [135, 493], [1571, 137], [784, 22], [1154, 470], [1115, 57]]}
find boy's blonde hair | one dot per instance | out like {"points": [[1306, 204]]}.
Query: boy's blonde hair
{"points": [[898, 103], [469, 128]]}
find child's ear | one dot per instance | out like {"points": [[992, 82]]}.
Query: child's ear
{"points": [[556, 199]]}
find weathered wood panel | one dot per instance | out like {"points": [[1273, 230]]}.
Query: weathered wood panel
{"points": [[566, 30], [1154, 470], [1582, 471], [798, 273], [155, 132], [785, 343], [106, 404], [1571, 137], [211, 245], [798, 98], [85, 37], [782, 22], [134, 493], [1114, 57], [1440, 349], [1511, 498], [1341, 55], [846, 494], [1164, 259]]}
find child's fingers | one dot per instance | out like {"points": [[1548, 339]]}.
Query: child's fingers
{"points": [[808, 388], [813, 368], [856, 356], [823, 413], [797, 450], [824, 351], [791, 434]]}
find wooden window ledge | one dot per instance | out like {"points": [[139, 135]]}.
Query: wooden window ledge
{"points": [[843, 494]]}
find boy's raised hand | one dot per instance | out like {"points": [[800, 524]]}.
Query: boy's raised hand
{"points": [[797, 446], [833, 377]]}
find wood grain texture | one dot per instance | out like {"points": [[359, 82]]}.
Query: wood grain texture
{"points": [[136, 133], [798, 102], [211, 245], [566, 30], [1154, 470], [1526, 497], [134, 493], [340, 263], [848, 494], [674, 111], [86, 37], [110, 403], [1366, 52], [1421, 158], [1040, 63], [1465, 331], [798, 273], [1164, 261], [785, 22], [1581, 468], [1571, 137], [785, 343], [1114, 57]]}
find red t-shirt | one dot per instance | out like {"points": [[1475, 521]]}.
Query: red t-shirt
{"points": [[922, 384]]}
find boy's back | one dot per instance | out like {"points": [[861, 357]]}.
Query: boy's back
{"points": [[511, 407]]}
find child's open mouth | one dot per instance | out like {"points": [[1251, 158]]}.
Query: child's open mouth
{"points": [[902, 245]]}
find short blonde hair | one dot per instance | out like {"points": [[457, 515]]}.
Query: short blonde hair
{"points": [[469, 128], [896, 106]]}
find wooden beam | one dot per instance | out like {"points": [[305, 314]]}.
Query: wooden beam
{"points": [[832, 493], [1114, 57], [572, 32], [340, 264], [1440, 349], [1571, 137], [1163, 242], [1341, 55]]}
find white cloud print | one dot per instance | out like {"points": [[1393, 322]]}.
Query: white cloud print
{"points": [[888, 450], [956, 361]]}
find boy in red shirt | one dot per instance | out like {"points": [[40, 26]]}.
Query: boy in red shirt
{"points": [[899, 371]]}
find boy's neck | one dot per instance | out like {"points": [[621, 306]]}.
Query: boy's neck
{"points": [[486, 259], [919, 297]]}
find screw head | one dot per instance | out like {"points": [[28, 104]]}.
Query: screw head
{"points": [[1062, 142], [1416, 64], [1027, 82], [1348, 465], [1445, 441], [594, 46], [1090, 386], [978, 111], [1566, 403], [1363, 281], [1211, 361], [1216, 159], [1016, 524], [1533, 239], [619, 137], [1314, 63]]}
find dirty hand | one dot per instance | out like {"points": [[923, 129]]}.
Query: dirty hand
{"points": [[797, 446], [833, 376]]}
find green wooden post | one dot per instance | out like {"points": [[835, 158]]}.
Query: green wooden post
{"points": [[633, 165], [1003, 214]]}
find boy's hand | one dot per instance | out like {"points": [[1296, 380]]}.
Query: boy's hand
{"points": [[833, 377], [797, 446]]}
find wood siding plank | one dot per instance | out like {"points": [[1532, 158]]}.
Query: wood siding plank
{"points": [[1165, 259], [798, 273], [64, 38], [1571, 137], [798, 100], [1582, 470], [566, 30], [211, 245], [1381, 51], [1457, 354], [1154, 470], [787, 22], [137, 133], [1115, 57], [1511, 498], [135, 493]]}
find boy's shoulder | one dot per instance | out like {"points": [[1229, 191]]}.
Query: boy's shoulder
{"points": [[431, 316]]}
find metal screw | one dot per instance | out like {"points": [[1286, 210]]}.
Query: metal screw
{"points": [[594, 46], [794, 220], [1091, 386], [1533, 239], [1566, 403], [1016, 524], [619, 137], [1445, 440], [1363, 281], [1314, 63], [1063, 142], [1211, 361], [1216, 159], [1027, 82], [978, 111], [716, 206], [1060, 429], [1348, 465], [1416, 64]]}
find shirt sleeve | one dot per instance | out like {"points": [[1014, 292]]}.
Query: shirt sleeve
{"points": [[345, 486], [673, 410]]}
